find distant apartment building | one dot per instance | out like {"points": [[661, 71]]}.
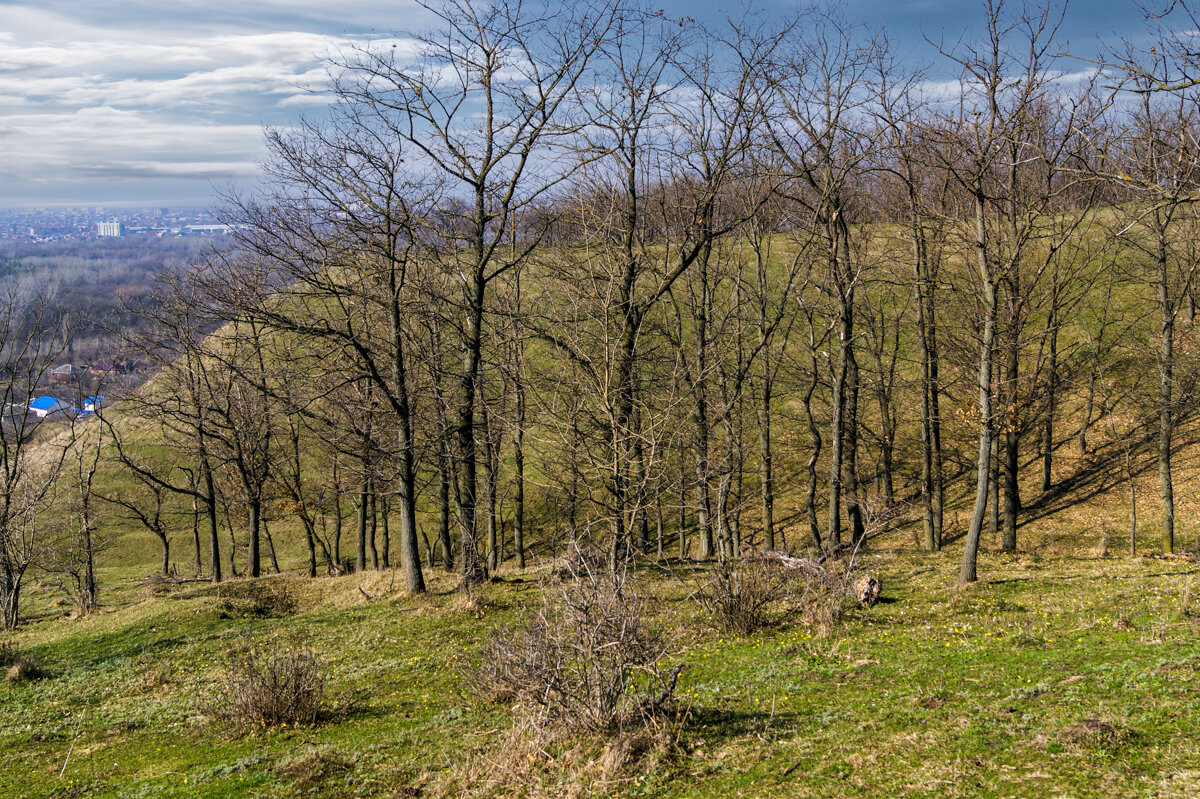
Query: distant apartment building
{"points": [[113, 228]]}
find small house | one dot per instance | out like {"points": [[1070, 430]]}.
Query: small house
{"points": [[43, 407], [92, 404], [63, 374]]}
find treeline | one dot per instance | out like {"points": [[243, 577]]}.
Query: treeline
{"points": [[601, 275]]}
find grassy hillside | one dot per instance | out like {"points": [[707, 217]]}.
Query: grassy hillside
{"points": [[1069, 671]]}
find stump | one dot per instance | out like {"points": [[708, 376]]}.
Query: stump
{"points": [[866, 589]]}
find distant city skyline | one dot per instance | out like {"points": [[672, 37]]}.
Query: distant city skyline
{"points": [[143, 103]]}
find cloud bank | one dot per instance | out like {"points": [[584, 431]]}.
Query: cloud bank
{"points": [[152, 102]]}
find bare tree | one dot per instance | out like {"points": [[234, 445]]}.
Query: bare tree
{"points": [[819, 127], [480, 111], [175, 326], [29, 345], [1005, 84]]}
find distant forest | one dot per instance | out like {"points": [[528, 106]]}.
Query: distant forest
{"points": [[94, 286]]}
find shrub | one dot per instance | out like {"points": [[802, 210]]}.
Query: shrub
{"points": [[18, 666], [284, 685], [255, 600], [584, 659], [742, 596], [762, 588]]}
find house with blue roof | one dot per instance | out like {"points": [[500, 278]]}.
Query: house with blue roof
{"points": [[42, 407]]}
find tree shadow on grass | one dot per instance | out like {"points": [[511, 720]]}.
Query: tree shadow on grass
{"points": [[1105, 470], [721, 725]]}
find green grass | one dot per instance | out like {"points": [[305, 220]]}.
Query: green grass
{"points": [[1061, 675]]}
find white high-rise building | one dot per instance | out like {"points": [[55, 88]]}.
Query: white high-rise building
{"points": [[113, 228]]}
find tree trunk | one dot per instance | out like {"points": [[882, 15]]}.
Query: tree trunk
{"points": [[445, 479], [166, 555], [854, 510], [266, 529], [968, 573], [994, 488], [310, 541], [410, 553], [766, 478], [490, 458], [360, 548], [473, 570], [683, 516], [704, 521], [923, 288], [810, 500], [196, 531], [254, 526], [1012, 434], [1051, 391], [373, 503], [1166, 416], [210, 501], [837, 441], [519, 478], [385, 552]]}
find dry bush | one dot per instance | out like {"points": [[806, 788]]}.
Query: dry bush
{"points": [[742, 596], [18, 666], [281, 685], [764, 588], [255, 600], [584, 659]]}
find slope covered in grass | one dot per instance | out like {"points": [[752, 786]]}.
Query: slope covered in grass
{"points": [[1062, 674]]}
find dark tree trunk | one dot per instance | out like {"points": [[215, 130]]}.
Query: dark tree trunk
{"points": [[1051, 391], [373, 511], [968, 573], [360, 547], [210, 502], [519, 478], [854, 511], [810, 500], [266, 529], [254, 529], [1166, 416], [445, 465], [766, 478], [1012, 432]]}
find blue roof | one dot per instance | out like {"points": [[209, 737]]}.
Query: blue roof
{"points": [[44, 403], [92, 400]]}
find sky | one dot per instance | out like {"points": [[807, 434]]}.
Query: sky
{"points": [[163, 102]]}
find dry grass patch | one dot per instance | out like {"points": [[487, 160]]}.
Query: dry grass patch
{"points": [[17, 665], [310, 769], [534, 761], [1096, 736]]}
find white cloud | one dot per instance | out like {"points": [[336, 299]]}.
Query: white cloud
{"points": [[122, 93]]}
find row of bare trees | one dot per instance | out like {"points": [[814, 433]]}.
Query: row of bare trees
{"points": [[599, 274]]}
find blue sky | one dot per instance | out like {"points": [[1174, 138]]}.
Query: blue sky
{"points": [[156, 102]]}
